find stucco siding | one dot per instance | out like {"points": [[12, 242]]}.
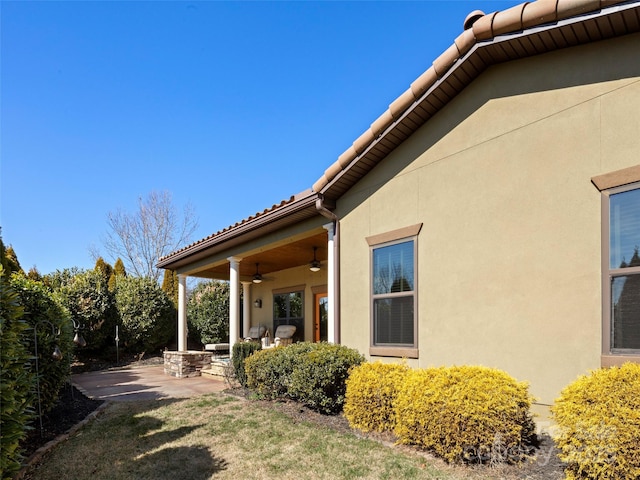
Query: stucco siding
{"points": [[509, 253]]}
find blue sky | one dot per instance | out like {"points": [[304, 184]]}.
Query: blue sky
{"points": [[230, 106]]}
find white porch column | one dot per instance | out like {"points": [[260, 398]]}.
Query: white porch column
{"points": [[234, 301], [331, 285], [182, 313], [246, 308]]}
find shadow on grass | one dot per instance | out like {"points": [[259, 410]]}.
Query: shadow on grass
{"points": [[133, 440], [196, 463]]}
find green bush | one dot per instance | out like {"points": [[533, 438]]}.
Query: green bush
{"points": [[311, 373], [318, 379], [371, 392], [146, 312], [16, 394], [598, 416], [269, 371], [87, 297], [208, 312], [466, 414], [43, 312], [241, 351]]}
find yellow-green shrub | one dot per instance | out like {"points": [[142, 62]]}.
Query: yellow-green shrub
{"points": [[465, 414], [371, 391], [598, 416]]}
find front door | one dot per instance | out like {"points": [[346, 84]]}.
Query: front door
{"points": [[321, 316]]}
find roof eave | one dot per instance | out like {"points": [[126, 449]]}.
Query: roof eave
{"points": [[303, 204], [390, 129]]}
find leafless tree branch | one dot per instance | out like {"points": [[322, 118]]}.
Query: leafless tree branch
{"points": [[153, 231]]}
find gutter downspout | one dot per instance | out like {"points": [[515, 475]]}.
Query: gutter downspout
{"points": [[325, 212]]}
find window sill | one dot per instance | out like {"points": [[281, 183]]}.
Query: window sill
{"points": [[402, 352], [611, 360]]}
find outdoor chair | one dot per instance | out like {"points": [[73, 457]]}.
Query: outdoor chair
{"points": [[255, 334], [284, 335]]}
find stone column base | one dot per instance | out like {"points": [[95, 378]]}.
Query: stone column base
{"points": [[185, 364]]}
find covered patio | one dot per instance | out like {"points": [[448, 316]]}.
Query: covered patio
{"points": [[282, 262]]}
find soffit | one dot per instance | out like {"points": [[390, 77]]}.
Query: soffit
{"points": [[289, 212], [283, 257]]}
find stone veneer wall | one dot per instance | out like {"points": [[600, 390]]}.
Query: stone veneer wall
{"points": [[185, 364]]}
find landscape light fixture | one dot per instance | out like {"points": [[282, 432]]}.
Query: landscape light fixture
{"points": [[315, 264], [257, 278], [77, 338]]}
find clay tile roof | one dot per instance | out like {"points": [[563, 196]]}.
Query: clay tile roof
{"points": [[479, 28], [237, 228]]}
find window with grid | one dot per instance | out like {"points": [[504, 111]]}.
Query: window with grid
{"points": [[624, 269], [393, 294], [288, 309]]}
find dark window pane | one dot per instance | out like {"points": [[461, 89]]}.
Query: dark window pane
{"points": [[279, 306], [625, 296], [393, 321], [624, 231], [393, 268], [288, 309], [324, 318], [295, 304]]}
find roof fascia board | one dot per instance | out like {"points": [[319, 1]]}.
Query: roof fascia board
{"points": [[279, 215]]}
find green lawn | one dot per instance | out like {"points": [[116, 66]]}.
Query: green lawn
{"points": [[221, 437]]}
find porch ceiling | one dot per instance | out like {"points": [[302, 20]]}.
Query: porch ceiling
{"points": [[282, 257]]}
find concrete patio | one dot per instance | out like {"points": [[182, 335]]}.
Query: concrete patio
{"points": [[142, 383]]}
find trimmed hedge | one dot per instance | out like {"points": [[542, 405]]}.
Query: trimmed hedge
{"points": [[598, 416], [44, 312], [372, 389], [241, 351], [319, 379], [466, 414], [16, 394], [311, 373], [147, 314], [269, 371], [90, 302]]}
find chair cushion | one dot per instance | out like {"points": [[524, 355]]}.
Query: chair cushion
{"points": [[285, 331], [257, 332]]}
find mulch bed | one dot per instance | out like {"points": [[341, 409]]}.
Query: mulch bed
{"points": [[72, 407]]}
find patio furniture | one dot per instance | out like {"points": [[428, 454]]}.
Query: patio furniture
{"points": [[255, 334], [218, 349], [283, 335]]}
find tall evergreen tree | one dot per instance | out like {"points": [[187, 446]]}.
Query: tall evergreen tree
{"points": [[34, 274], [118, 268], [170, 285], [118, 272], [104, 268], [8, 258]]}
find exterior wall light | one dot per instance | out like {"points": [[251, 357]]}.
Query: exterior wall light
{"points": [[258, 303]]}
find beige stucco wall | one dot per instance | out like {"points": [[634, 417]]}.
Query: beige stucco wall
{"points": [[509, 252]]}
